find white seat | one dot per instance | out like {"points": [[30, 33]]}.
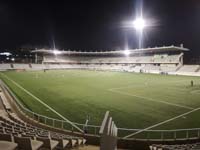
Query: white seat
{"points": [[5, 145]]}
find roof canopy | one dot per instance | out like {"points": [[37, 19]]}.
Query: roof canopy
{"points": [[131, 51]]}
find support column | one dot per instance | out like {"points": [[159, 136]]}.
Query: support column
{"points": [[36, 58]]}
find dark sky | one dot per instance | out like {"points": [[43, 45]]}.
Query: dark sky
{"points": [[97, 24]]}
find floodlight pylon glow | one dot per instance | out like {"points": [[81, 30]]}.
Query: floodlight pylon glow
{"points": [[5, 53], [139, 24], [56, 52], [127, 52]]}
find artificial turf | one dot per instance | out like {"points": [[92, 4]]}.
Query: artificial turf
{"points": [[134, 100]]}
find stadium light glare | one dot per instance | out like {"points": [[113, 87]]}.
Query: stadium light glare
{"points": [[5, 53], [139, 24], [127, 52], [56, 52]]}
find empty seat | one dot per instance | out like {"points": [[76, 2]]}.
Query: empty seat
{"points": [[73, 142], [84, 141], [5, 102], [62, 143], [32, 136], [27, 144], [48, 143], [5, 137], [5, 145]]}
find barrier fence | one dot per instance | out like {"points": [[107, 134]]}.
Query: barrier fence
{"points": [[178, 134]]}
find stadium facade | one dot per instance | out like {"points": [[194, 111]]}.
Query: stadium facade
{"points": [[160, 60]]}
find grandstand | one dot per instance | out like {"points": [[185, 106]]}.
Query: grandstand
{"points": [[159, 60], [166, 59], [155, 56]]}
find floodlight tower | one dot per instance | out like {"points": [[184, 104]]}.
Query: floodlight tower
{"points": [[139, 24]]}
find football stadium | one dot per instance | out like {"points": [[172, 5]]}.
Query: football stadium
{"points": [[150, 93], [120, 91]]}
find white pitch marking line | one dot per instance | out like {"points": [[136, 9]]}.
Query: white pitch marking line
{"points": [[195, 92], [129, 86], [39, 100], [161, 123], [153, 100], [124, 87]]}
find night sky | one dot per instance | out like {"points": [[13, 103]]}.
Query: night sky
{"points": [[97, 24]]}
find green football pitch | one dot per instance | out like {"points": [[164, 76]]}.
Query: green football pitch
{"points": [[134, 100]]}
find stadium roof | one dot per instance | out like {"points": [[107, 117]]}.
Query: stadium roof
{"points": [[131, 51]]}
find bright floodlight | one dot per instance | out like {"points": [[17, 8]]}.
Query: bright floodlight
{"points": [[139, 24], [5, 53], [127, 52], [56, 52]]}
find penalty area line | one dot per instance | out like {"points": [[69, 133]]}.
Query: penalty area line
{"points": [[39, 100]]}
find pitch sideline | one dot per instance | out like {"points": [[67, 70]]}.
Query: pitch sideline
{"points": [[39, 100]]}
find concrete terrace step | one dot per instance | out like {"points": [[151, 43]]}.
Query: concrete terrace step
{"points": [[90, 147]]}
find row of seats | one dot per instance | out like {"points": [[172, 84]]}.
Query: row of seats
{"points": [[27, 136], [62, 66], [130, 59], [189, 68], [16, 133], [117, 67]]}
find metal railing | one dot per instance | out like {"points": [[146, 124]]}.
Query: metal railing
{"points": [[178, 134]]}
